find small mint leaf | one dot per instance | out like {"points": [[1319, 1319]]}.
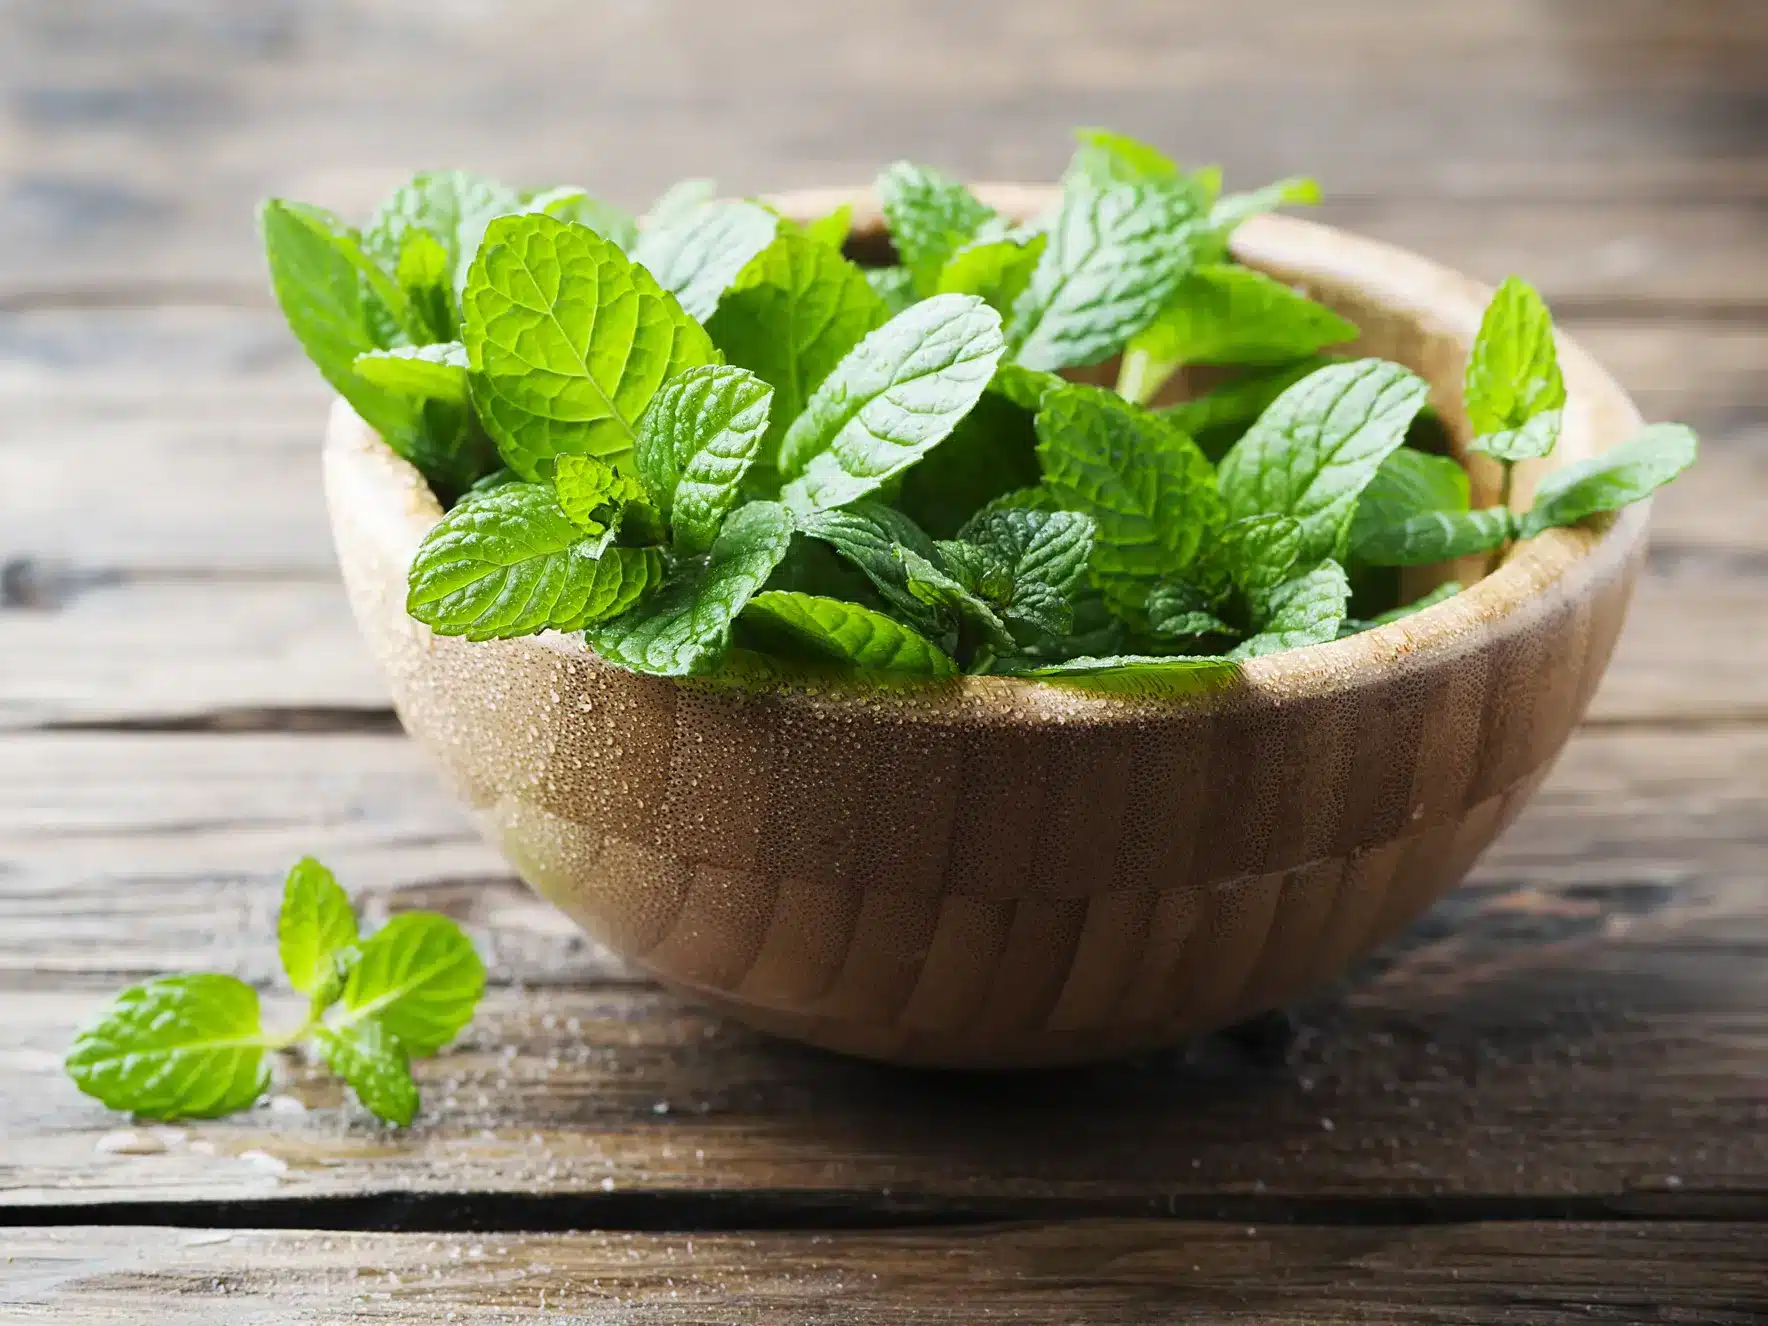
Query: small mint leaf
{"points": [[932, 586], [697, 254], [1437, 536], [182, 1046], [1259, 551], [419, 976], [844, 632], [592, 492], [696, 442], [1046, 555], [437, 371], [453, 207], [685, 627], [1104, 157], [1297, 190], [895, 286], [1620, 476], [314, 924], [1513, 369], [1140, 675], [831, 229], [1178, 611], [1304, 611], [372, 1060], [930, 217], [996, 269], [1533, 440], [572, 204], [868, 535], [1217, 418]]}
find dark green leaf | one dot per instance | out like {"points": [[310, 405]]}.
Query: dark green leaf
{"points": [[1409, 483], [1304, 611], [1258, 551], [846, 632], [992, 451]]}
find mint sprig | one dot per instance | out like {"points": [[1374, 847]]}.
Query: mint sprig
{"points": [[194, 1046]]}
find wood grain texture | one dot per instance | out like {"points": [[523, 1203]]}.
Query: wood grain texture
{"points": [[1504, 1274]]}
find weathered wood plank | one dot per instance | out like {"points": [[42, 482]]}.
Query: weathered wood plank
{"points": [[1119, 1271], [1588, 1016]]}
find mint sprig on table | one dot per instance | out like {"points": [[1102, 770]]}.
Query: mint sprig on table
{"points": [[710, 434], [194, 1047]]}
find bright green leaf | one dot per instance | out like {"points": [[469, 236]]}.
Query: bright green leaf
{"points": [[996, 269], [696, 442], [572, 204], [847, 632], [1139, 675], [1619, 477], [590, 491], [1104, 158], [930, 217], [1304, 611], [1513, 369], [376, 1066], [453, 207], [313, 926], [438, 371], [419, 976], [698, 254], [1237, 207], [1409, 483], [833, 229], [1217, 418], [1533, 440]]}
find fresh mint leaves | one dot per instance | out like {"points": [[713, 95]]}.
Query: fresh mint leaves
{"points": [[713, 430], [194, 1046]]}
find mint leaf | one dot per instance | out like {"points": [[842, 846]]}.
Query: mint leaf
{"points": [[894, 285], [1045, 554], [1178, 611], [1513, 369], [1534, 439], [314, 926], [679, 200], [895, 395], [1436, 536], [1148, 676], [419, 977], [930, 584], [372, 1060], [574, 205], [1238, 207], [437, 372], [1024, 387], [996, 269], [1217, 418], [1409, 483], [1258, 551], [453, 207], [1223, 313], [869, 534], [1319, 445], [1441, 594], [992, 451], [511, 562], [591, 492], [570, 339], [846, 632], [696, 255], [930, 217], [832, 229], [422, 272], [1105, 158], [685, 627], [1149, 490], [1620, 476], [696, 441], [1115, 256], [791, 315], [1304, 611], [182, 1046]]}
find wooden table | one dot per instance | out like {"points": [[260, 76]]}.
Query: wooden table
{"points": [[1548, 1104]]}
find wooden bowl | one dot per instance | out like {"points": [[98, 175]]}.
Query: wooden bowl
{"points": [[992, 872]]}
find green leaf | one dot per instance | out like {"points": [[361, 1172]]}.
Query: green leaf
{"points": [[419, 976], [1223, 313], [453, 207], [182, 1046], [832, 229], [314, 925], [679, 200], [1437, 536], [696, 442], [868, 534], [511, 562], [1217, 418], [1441, 594], [996, 269], [1104, 157], [422, 271], [696, 256], [894, 285], [992, 451], [1258, 551], [945, 593], [1025, 387], [930, 217], [1513, 369], [1149, 490], [1115, 255], [1534, 439], [685, 628], [1409, 483], [847, 632], [1142, 675], [322, 296], [1619, 477], [897, 394], [1304, 611], [1178, 611], [793, 314], [437, 372], [591, 492], [570, 340], [367, 1056], [571, 204], [1237, 207], [1314, 451], [1046, 555]]}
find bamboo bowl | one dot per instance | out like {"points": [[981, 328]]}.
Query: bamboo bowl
{"points": [[996, 873]]}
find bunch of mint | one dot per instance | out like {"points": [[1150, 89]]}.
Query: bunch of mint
{"points": [[711, 434], [192, 1046]]}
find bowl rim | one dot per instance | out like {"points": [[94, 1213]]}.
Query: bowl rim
{"points": [[1599, 414]]}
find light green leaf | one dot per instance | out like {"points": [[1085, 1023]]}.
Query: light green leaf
{"points": [[419, 976], [792, 314], [996, 269], [832, 229], [422, 271], [1304, 611], [696, 256], [591, 492], [1145, 676], [1149, 490], [437, 372], [367, 1056], [1258, 551], [314, 925], [1025, 387], [1409, 483], [1513, 369], [1223, 313], [679, 200], [847, 632], [1314, 451], [696, 442], [1441, 594], [894, 285], [571, 340], [1534, 439], [1237, 207], [930, 217], [453, 207], [1115, 256], [182, 1046], [572, 204], [1104, 157], [511, 562], [1619, 477], [1437, 536], [685, 628], [897, 394], [1217, 418]]}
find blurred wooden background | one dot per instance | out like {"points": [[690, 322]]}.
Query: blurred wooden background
{"points": [[1549, 1104]]}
